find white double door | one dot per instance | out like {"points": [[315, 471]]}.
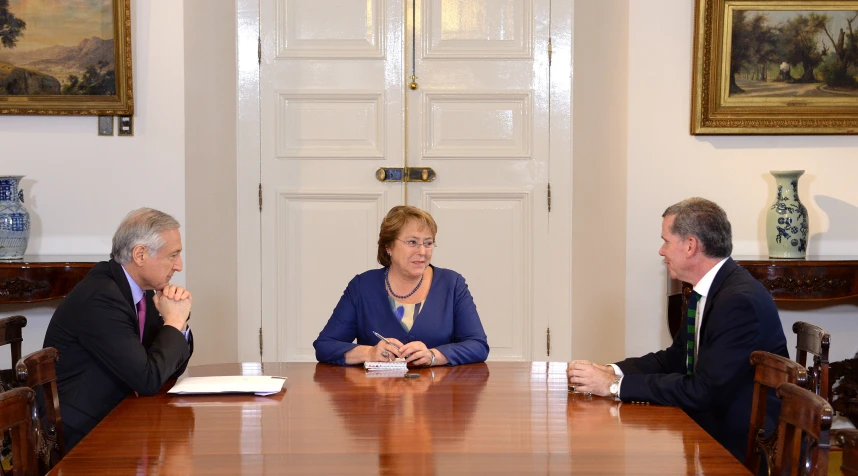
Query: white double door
{"points": [[336, 106]]}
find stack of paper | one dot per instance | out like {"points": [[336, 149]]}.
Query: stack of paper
{"points": [[256, 384], [399, 364]]}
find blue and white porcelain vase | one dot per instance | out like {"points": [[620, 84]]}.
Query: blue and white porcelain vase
{"points": [[786, 220], [14, 218]]}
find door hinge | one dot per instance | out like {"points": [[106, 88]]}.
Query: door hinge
{"points": [[259, 50], [549, 197], [549, 51], [260, 344], [260, 197], [547, 341]]}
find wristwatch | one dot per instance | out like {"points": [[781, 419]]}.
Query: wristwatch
{"points": [[615, 387]]}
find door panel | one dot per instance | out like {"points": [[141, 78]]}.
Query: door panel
{"points": [[494, 256], [306, 249]]}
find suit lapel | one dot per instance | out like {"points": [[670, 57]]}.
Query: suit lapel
{"points": [[726, 270], [122, 281]]}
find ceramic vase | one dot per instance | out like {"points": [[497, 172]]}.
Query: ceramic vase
{"points": [[786, 220], [14, 218]]}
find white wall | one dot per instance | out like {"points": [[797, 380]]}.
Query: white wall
{"points": [[210, 140], [78, 185], [599, 174], [666, 164]]}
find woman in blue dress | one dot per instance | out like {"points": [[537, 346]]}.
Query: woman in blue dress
{"points": [[426, 313]]}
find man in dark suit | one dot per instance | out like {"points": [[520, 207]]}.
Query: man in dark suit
{"points": [[123, 329], [711, 378]]}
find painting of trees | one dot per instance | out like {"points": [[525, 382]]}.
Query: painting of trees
{"points": [[845, 55], [816, 53], [799, 37], [11, 27]]}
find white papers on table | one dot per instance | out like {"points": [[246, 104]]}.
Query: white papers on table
{"points": [[256, 384]]}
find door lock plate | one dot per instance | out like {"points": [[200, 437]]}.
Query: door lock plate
{"points": [[405, 174]]}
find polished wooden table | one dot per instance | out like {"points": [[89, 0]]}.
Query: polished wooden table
{"points": [[495, 418], [36, 278]]}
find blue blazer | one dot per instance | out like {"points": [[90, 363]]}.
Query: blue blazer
{"points": [[448, 320], [740, 317]]}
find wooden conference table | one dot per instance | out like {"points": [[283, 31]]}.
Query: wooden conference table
{"points": [[496, 418]]}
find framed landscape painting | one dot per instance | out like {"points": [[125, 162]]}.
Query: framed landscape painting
{"points": [[66, 57], [775, 67]]}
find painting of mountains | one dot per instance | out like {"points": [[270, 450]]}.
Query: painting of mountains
{"points": [[51, 47]]}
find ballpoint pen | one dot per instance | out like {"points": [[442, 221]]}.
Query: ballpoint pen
{"points": [[383, 338], [385, 353]]}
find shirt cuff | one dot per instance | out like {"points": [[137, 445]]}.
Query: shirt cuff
{"points": [[617, 370], [186, 333]]}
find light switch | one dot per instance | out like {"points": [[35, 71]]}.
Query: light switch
{"points": [[126, 126]]}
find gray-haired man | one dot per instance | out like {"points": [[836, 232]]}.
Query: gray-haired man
{"points": [[123, 329]]}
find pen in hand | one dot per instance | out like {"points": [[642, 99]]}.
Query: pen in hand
{"points": [[383, 338]]}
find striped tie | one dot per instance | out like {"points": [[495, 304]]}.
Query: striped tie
{"points": [[690, 323]]}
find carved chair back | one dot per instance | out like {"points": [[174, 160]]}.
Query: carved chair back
{"points": [[804, 429], [814, 340], [848, 440], [770, 370], [17, 412], [38, 370], [11, 333]]}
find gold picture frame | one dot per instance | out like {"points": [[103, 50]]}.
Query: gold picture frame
{"points": [[775, 67], [61, 62]]}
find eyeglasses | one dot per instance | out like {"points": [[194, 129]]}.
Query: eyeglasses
{"points": [[428, 244]]}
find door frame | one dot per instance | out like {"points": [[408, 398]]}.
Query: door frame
{"points": [[248, 179]]}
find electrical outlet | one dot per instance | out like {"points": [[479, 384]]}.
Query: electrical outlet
{"points": [[105, 125], [126, 126]]}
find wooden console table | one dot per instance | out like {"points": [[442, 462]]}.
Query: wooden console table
{"points": [[36, 278], [815, 278]]}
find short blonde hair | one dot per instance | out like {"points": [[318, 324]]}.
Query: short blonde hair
{"points": [[395, 221]]}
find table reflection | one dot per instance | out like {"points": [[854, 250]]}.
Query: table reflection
{"points": [[166, 453], [643, 431], [407, 416]]}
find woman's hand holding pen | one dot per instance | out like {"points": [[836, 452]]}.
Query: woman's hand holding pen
{"points": [[385, 351]]}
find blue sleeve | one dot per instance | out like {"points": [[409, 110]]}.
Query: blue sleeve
{"points": [[340, 332], [469, 339]]}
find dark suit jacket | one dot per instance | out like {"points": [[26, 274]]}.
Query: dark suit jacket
{"points": [[739, 318], [101, 359]]}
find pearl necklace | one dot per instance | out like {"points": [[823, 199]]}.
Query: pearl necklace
{"points": [[390, 290]]}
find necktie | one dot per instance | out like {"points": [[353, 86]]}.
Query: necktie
{"points": [[141, 315], [691, 324]]}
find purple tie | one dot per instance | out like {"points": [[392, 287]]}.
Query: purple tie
{"points": [[141, 315]]}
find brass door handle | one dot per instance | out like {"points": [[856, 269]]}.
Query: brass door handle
{"points": [[405, 174]]}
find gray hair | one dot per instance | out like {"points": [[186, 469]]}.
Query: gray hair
{"points": [[141, 227], [704, 220]]}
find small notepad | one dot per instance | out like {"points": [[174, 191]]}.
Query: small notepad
{"points": [[398, 364]]}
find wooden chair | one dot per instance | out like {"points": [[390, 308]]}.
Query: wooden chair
{"points": [[38, 370], [811, 339], [11, 333], [804, 428], [848, 440], [770, 370], [17, 412]]}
